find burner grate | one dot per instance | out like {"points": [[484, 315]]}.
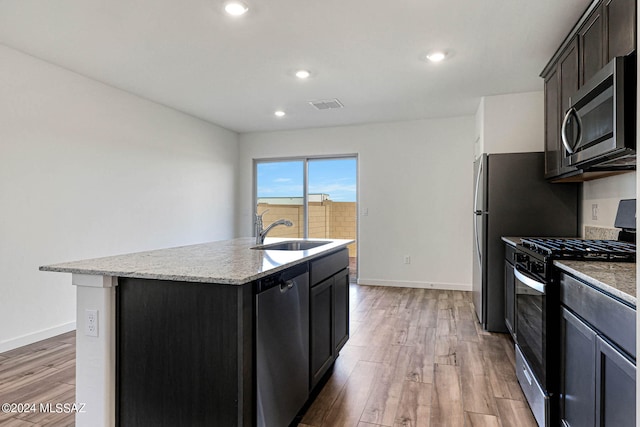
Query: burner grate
{"points": [[582, 248]]}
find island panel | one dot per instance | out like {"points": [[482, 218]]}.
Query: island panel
{"points": [[184, 353]]}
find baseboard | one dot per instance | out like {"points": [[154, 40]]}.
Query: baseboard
{"points": [[23, 340], [418, 285]]}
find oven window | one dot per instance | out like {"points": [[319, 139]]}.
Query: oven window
{"points": [[530, 318]]}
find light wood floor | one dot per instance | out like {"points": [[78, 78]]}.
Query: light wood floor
{"points": [[43, 372], [415, 358], [419, 358]]}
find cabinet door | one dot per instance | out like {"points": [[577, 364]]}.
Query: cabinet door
{"points": [[559, 86], [569, 84], [552, 125], [591, 45], [341, 309], [615, 388], [578, 372], [620, 24], [509, 298], [321, 333]]}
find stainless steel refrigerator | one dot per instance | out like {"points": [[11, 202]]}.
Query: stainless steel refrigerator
{"points": [[512, 198]]}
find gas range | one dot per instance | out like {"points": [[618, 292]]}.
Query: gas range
{"points": [[587, 249], [535, 255]]}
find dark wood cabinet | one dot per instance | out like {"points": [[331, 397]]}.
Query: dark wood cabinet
{"points": [[329, 322], [615, 387], [552, 125], [184, 354], [591, 45], [597, 349], [328, 311], [569, 84], [606, 29], [340, 310], [598, 382], [321, 324], [561, 83], [509, 291], [578, 371], [620, 28]]}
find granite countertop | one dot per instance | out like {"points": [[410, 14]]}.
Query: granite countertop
{"points": [[226, 262], [615, 278]]}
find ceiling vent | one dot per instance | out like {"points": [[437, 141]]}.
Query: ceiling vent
{"points": [[326, 104]]}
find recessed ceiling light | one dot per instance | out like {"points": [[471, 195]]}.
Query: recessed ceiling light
{"points": [[235, 8], [302, 74], [280, 113], [436, 56]]}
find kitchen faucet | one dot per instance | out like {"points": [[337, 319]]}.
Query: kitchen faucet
{"points": [[262, 233]]}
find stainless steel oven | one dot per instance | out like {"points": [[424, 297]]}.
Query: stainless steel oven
{"points": [[531, 321], [536, 303]]}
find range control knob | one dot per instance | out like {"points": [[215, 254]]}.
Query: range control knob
{"points": [[537, 267], [522, 258]]}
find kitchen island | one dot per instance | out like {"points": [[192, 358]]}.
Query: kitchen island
{"points": [[168, 337]]}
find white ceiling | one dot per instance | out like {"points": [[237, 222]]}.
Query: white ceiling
{"points": [[236, 72]]}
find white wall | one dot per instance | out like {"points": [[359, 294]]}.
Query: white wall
{"points": [[478, 145], [87, 170], [511, 123], [606, 193], [415, 179]]}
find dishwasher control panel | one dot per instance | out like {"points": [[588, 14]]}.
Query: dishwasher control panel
{"points": [[281, 277]]}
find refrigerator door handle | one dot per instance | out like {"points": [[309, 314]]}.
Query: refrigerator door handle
{"points": [[475, 229], [475, 200], [477, 212]]}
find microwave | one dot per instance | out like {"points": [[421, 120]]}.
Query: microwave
{"points": [[598, 130]]}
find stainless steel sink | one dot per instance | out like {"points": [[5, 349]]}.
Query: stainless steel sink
{"points": [[291, 245]]}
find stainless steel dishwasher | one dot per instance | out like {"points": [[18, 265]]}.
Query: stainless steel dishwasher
{"points": [[282, 346]]}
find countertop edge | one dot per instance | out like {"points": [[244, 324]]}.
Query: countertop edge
{"points": [[335, 245], [598, 284], [183, 278]]}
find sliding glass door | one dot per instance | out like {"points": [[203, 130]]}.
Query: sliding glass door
{"points": [[331, 203], [319, 195], [280, 189]]}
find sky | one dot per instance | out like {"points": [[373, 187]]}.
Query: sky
{"points": [[335, 177]]}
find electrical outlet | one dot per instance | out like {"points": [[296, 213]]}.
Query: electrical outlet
{"points": [[594, 212], [91, 323], [407, 259]]}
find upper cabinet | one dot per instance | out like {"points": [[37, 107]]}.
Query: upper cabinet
{"points": [[592, 48], [607, 29], [560, 84], [620, 27]]}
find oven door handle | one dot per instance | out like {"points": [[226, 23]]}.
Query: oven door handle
{"points": [[538, 286]]}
